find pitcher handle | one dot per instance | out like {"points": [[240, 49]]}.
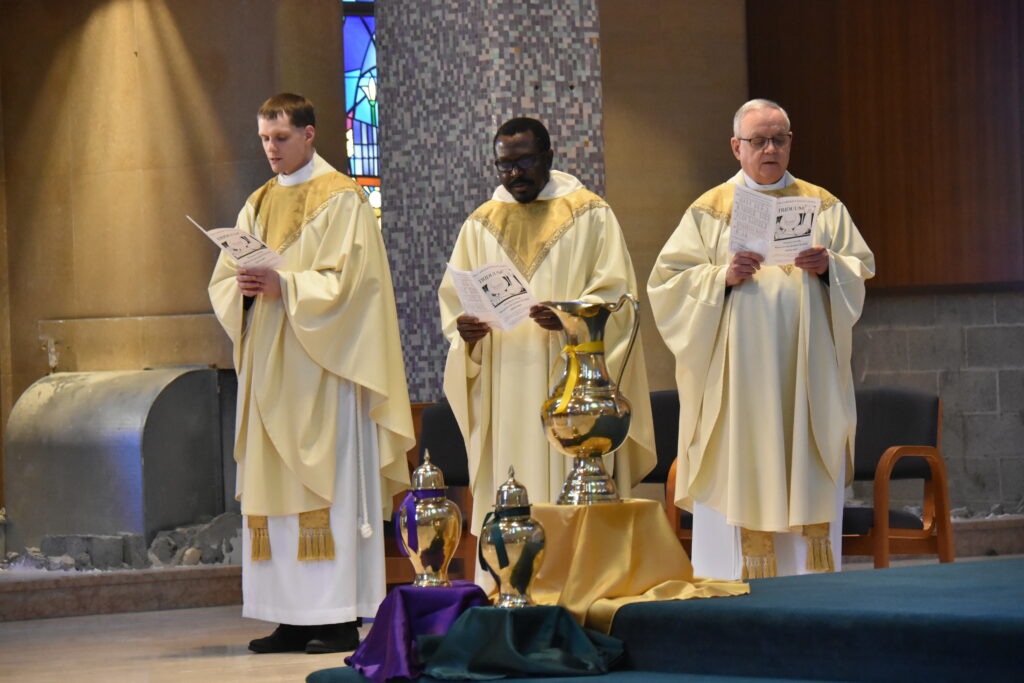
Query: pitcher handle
{"points": [[632, 337]]}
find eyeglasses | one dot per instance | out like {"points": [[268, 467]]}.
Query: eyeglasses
{"points": [[781, 141], [522, 163]]}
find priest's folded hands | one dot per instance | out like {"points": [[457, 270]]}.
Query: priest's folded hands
{"points": [[253, 281]]}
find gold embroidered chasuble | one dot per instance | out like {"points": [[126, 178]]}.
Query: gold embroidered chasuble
{"points": [[569, 246], [335, 321], [765, 388]]}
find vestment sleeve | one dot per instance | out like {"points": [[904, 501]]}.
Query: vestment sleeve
{"points": [[448, 298], [464, 384], [688, 297], [342, 311], [851, 263]]}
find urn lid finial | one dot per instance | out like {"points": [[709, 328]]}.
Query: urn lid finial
{"points": [[511, 494], [427, 476]]}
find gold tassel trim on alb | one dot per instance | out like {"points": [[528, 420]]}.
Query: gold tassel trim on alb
{"points": [[758, 554], [259, 538], [819, 548], [315, 539]]}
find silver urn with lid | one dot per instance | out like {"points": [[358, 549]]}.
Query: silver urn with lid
{"points": [[512, 544], [428, 526]]}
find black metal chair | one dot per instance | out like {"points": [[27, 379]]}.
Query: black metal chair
{"points": [[898, 437]]}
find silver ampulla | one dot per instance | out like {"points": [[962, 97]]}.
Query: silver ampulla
{"points": [[511, 544], [428, 526], [587, 417]]}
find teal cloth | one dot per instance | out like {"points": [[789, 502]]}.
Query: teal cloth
{"points": [[487, 642]]}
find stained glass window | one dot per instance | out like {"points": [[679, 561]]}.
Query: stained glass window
{"points": [[361, 97]]}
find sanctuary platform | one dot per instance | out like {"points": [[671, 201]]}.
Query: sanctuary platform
{"points": [[948, 622]]}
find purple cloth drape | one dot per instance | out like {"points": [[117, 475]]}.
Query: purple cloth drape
{"points": [[389, 650]]}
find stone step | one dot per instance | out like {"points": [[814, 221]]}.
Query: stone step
{"points": [[39, 594]]}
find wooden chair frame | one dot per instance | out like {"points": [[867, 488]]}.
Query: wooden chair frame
{"points": [[937, 536]]}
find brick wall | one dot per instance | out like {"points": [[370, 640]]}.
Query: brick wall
{"points": [[970, 349]]}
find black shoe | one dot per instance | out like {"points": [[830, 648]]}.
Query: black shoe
{"points": [[334, 638], [285, 638]]}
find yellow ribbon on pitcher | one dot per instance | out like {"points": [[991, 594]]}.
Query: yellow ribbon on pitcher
{"points": [[574, 369]]}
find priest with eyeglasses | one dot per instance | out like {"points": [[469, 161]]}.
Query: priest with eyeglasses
{"points": [[566, 242], [767, 413]]}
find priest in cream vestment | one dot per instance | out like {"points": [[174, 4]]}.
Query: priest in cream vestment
{"points": [[323, 416], [567, 243], [767, 413]]}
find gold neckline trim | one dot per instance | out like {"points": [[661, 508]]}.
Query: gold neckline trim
{"points": [[528, 270]]}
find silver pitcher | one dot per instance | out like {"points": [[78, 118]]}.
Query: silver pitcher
{"points": [[428, 526], [512, 544], [587, 417]]}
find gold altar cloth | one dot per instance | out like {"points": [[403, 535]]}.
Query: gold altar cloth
{"points": [[600, 557]]}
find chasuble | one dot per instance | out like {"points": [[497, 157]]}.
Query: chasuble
{"points": [[568, 245], [767, 413], [323, 418]]}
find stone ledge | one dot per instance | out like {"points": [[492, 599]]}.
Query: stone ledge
{"points": [[972, 538], [84, 344], [40, 595], [995, 536]]}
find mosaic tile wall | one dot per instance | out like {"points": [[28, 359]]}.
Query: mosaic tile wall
{"points": [[450, 73]]}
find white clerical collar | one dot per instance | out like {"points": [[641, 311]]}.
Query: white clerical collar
{"points": [[559, 184], [298, 177], [782, 182]]}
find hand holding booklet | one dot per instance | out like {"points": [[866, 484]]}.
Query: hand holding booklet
{"points": [[247, 250], [777, 228], [494, 293]]}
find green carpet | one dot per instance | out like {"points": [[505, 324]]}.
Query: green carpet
{"points": [[951, 622]]}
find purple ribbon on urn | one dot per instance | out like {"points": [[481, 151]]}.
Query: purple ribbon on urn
{"points": [[408, 508]]}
